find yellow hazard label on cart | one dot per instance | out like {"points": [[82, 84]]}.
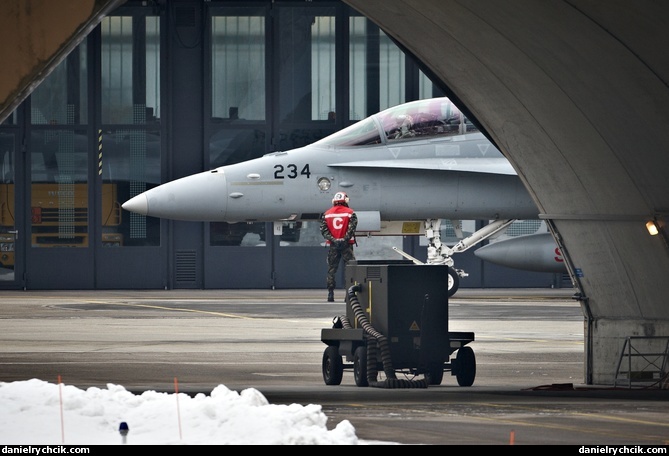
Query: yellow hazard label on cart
{"points": [[414, 326]]}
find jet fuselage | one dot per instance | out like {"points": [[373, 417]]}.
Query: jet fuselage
{"points": [[419, 161], [452, 178]]}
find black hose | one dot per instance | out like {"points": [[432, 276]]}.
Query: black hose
{"points": [[378, 342]]}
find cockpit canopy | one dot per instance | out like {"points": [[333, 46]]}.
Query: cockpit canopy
{"points": [[420, 119]]}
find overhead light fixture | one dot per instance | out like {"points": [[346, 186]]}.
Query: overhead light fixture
{"points": [[652, 227]]}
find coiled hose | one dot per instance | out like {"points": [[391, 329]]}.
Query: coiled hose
{"points": [[375, 342]]}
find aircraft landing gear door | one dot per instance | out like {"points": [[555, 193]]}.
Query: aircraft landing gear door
{"points": [[11, 242]]}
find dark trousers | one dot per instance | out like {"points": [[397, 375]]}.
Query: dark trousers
{"points": [[335, 255]]}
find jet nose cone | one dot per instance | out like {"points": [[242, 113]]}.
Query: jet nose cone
{"points": [[138, 204], [192, 198]]}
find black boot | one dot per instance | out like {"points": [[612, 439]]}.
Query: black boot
{"points": [[330, 295]]}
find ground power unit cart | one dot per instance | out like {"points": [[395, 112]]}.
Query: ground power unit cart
{"points": [[396, 322]]}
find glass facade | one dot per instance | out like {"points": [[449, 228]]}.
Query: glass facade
{"points": [[8, 231], [302, 56], [59, 191], [262, 76]]}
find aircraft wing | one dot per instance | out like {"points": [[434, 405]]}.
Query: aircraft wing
{"points": [[472, 165]]}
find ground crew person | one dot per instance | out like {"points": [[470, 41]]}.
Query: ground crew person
{"points": [[338, 226]]}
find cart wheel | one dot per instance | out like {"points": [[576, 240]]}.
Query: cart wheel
{"points": [[435, 373], [466, 362], [360, 366], [333, 366], [453, 281]]}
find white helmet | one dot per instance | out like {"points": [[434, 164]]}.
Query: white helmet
{"points": [[340, 198]]}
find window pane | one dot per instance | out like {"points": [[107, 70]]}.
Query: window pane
{"points": [[59, 190], [376, 64], [152, 100], [392, 74], [61, 98], [308, 234], [130, 156], [234, 145], [238, 67], [521, 228], [425, 86], [451, 234], [126, 100], [117, 50], [7, 206], [236, 234], [323, 70], [306, 64], [357, 67], [130, 165], [378, 247]]}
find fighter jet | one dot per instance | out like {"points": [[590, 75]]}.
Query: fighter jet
{"points": [[405, 169]]}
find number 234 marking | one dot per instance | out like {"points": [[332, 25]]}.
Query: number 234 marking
{"points": [[290, 171]]}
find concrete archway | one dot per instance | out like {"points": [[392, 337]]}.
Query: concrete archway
{"points": [[575, 93]]}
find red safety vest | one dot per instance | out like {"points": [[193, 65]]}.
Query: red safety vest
{"points": [[337, 218]]}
